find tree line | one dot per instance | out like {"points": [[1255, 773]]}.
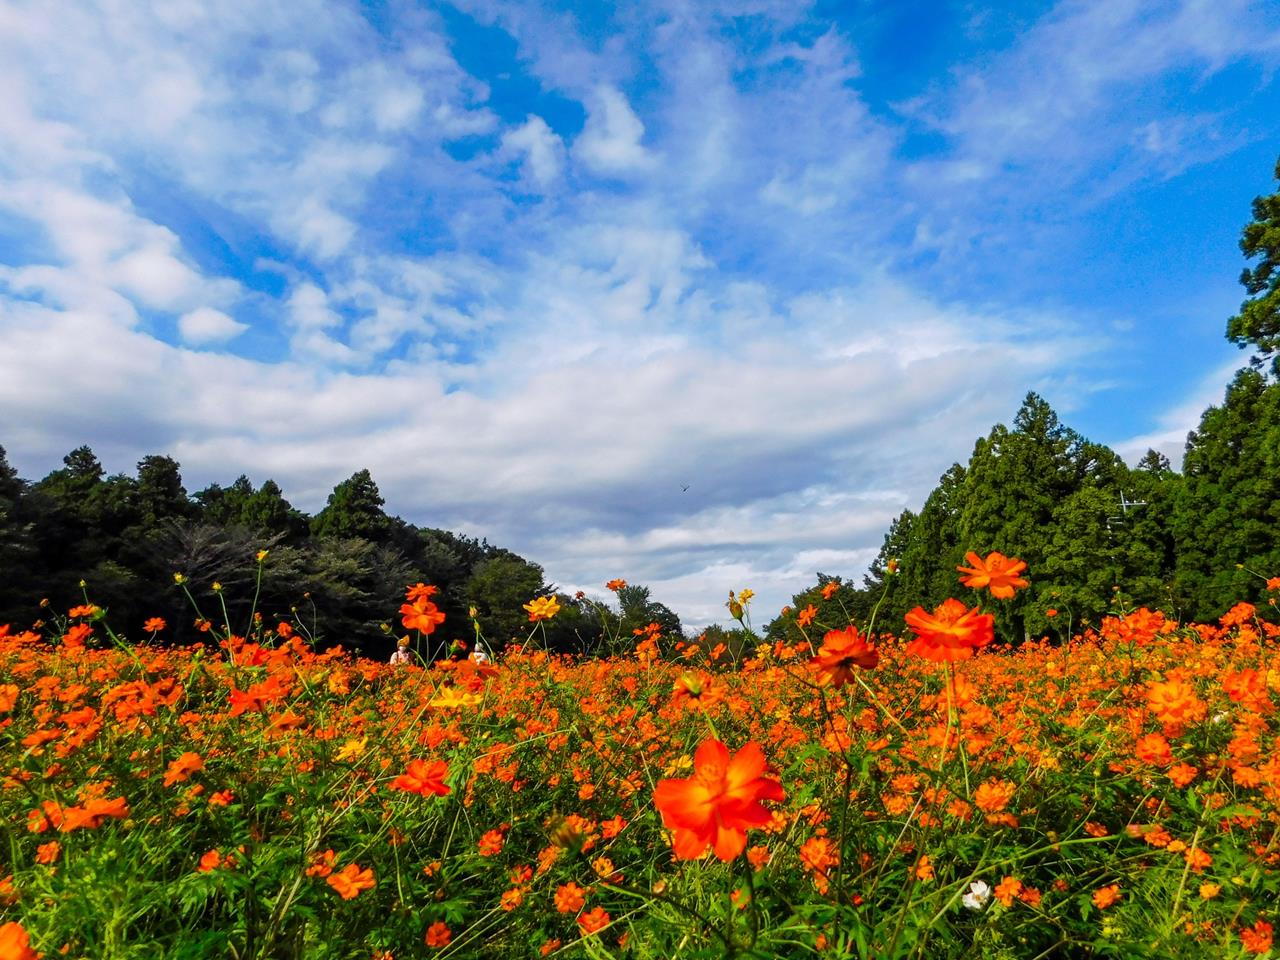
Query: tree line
{"points": [[340, 574]]}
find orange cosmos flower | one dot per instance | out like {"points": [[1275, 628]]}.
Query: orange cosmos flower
{"points": [[805, 616], [830, 589], [695, 692], [182, 768], [350, 880], [1197, 859], [490, 844], [48, 852], [154, 625], [994, 795], [91, 815], [594, 920], [1175, 703], [951, 632], [1107, 896], [421, 615], [841, 651], [1257, 939], [1153, 749], [997, 572], [77, 635], [423, 778], [1273, 583], [570, 898], [715, 807], [439, 935], [322, 864], [420, 591], [615, 585], [1239, 614], [1007, 889], [15, 944]]}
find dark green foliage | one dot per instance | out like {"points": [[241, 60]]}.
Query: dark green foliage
{"points": [[267, 511], [158, 493], [1258, 322], [354, 510], [639, 610], [263, 511], [1227, 510], [350, 587], [345, 571], [17, 544], [498, 588], [224, 505], [1096, 535]]}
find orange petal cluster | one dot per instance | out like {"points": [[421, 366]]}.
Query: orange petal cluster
{"points": [[350, 880], [840, 653], [997, 573], [719, 803], [423, 778], [952, 632]]}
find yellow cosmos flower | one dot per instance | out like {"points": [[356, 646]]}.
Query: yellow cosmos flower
{"points": [[542, 608], [452, 698], [352, 748]]}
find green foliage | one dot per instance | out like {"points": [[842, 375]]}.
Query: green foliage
{"points": [[639, 610], [498, 588], [1227, 509], [1083, 521], [124, 535], [354, 510], [1258, 322]]}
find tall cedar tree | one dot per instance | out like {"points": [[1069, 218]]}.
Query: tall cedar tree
{"points": [[1227, 511], [1258, 322], [1041, 492]]}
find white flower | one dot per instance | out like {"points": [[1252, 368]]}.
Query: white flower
{"points": [[978, 895]]}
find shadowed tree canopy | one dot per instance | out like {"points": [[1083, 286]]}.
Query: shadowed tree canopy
{"points": [[341, 575], [498, 588], [159, 494], [639, 610]]}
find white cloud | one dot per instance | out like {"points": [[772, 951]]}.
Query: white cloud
{"points": [[610, 143], [541, 150], [578, 459], [106, 244], [1080, 86], [309, 308], [206, 325]]}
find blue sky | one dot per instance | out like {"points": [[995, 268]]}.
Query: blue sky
{"points": [[541, 267]]}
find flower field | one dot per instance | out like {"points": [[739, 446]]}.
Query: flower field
{"points": [[843, 795]]}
